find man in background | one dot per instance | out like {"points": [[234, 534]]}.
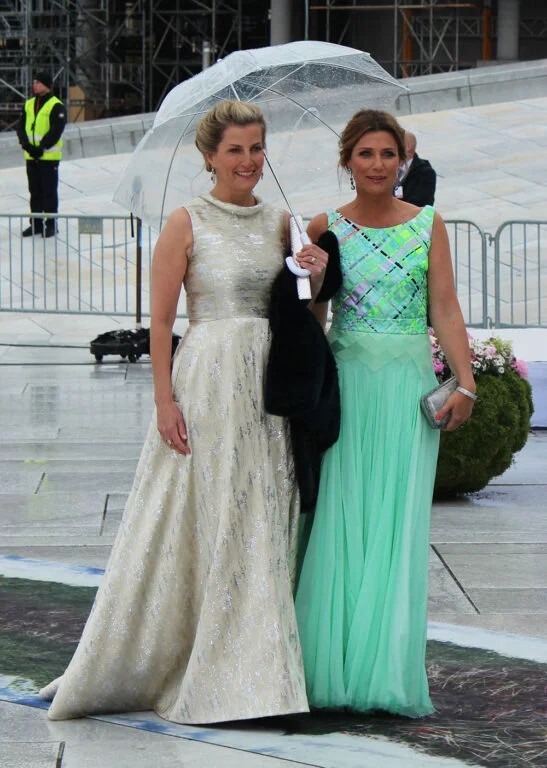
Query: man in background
{"points": [[417, 179], [39, 131]]}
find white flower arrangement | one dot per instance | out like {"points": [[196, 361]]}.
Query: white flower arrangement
{"points": [[494, 356]]}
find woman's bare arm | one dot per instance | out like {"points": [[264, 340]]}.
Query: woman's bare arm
{"points": [[448, 323], [169, 265]]}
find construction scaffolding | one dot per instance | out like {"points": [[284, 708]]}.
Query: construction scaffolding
{"points": [[427, 36], [117, 57], [120, 57]]}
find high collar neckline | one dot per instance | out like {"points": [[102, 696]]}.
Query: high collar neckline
{"points": [[240, 210]]}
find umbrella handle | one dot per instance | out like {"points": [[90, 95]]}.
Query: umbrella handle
{"points": [[299, 238]]}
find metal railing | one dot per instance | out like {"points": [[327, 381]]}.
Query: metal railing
{"points": [[93, 265], [102, 265], [468, 246], [520, 278]]}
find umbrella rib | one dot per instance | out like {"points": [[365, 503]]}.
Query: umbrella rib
{"points": [[298, 104], [373, 76], [169, 170], [280, 80]]}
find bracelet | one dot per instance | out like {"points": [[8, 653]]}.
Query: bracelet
{"points": [[467, 393]]}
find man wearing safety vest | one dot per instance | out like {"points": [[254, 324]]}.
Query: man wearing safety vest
{"points": [[39, 131]]}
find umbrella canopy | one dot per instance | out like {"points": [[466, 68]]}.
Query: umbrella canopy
{"points": [[307, 91]]}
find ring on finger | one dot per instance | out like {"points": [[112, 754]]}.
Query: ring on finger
{"points": [[169, 443], [313, 259]]}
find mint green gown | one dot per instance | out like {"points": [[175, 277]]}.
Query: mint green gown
{"points": [[362, 595]]}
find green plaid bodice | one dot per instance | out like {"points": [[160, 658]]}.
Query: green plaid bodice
{"points": [[384, 289]]}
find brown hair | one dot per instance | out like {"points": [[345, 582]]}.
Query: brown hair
{"points": [[211, 127], [368, 121]]}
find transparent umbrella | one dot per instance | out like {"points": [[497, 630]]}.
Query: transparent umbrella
{"points": [[307, 91]]}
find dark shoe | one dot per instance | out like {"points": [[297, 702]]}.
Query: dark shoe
{"points": [[30, 231], [50, 231]]}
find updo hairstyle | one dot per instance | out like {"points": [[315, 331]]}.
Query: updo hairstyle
{"points": [[211, 127], [369, 121]]}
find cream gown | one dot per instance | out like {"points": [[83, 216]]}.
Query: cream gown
{"points": [[195, 616]]}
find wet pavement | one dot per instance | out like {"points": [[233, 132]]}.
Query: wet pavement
{"points": [[72, 431], [71, 436]]}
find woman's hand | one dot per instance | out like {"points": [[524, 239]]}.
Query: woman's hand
{"points": [[312, 258], [172, 428], [460, 407]]}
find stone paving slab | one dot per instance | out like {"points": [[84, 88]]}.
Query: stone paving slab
{"points": [[20, 480], [52, 512], [73, 551], [66, 466], [57, 449], [506, 571], [47, 355], [514, 496], [445, 595], [22, 754], [492, 548], [512, 601], [456, 524], [67, 543], [31, 741], [100, 482]]}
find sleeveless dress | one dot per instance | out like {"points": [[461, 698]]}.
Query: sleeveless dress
{"points": [[195, 614], [362, 594]]}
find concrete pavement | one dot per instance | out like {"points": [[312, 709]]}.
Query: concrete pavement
{"points": [[71, 436]]}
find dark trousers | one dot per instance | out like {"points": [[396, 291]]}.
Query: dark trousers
{"points": [[43, 181]]}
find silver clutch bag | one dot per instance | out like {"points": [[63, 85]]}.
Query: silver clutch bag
{"points": [[433, 401]]}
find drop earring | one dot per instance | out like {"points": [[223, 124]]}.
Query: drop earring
{"points": [[351, 179], [213, 175]]}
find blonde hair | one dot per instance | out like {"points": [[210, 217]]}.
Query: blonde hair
{"points": [[369, 121], [211, 127]]}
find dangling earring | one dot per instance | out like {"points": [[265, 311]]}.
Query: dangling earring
{"points": [[213, 175], [262, 175], [351, 179]]}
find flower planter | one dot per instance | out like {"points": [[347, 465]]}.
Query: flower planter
{"points": [[483, 448]]}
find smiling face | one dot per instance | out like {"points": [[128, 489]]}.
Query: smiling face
{"points": [[238, 160], [374, 162]]}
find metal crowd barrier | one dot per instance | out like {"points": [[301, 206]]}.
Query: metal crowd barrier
{"points": [[102, 265], [93, 265], [520, 287], [468, 246]]}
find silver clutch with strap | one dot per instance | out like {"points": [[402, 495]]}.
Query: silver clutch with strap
{"points": [[433, 401]]}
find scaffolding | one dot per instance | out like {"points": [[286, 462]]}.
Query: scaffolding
{"points": [[428, 36], [117, 57], [187, 36], [89, 47]]}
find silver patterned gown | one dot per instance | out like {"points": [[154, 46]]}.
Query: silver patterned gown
{"points": [[195, 616]]}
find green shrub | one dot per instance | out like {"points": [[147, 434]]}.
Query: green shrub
{"points": [[483, 447]]}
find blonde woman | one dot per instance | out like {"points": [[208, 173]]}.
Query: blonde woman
{"points": [[195, 616]]}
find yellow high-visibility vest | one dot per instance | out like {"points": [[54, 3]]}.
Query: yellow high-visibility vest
{"points": [[36, 127]]}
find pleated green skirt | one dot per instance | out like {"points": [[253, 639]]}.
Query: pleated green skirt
{"points": [[362, 594]]}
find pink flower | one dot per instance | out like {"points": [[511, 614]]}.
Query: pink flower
{"points": [[521, 367], [438, 367], [490, 351]]}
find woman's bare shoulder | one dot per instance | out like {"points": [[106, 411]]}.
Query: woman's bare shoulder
{"points": [[317, 226]]}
